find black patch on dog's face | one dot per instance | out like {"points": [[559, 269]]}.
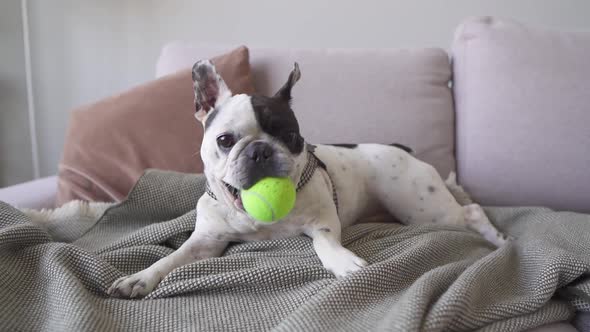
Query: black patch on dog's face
{"points": [[344, 145], [403, 147], [211, 117], [277, 119]]}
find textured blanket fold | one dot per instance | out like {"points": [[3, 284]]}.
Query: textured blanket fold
{"points": [[432, 277]]}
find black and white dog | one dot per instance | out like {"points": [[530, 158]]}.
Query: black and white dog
{"points": [[248, 138]]}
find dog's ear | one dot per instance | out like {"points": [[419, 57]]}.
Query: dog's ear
{"points": [[210, 89], [285, 91]]}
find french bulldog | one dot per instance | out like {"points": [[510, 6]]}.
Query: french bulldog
{"points": [[250, 137]]}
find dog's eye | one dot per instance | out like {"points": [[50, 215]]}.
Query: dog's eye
{"points": [[226, 141]]}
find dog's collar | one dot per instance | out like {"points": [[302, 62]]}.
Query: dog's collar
{"points": [[313, 162]]}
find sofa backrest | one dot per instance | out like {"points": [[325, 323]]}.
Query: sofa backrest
{"points": [[522, 99], [355, 96]]}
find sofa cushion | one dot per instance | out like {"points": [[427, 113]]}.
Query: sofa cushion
{"points": [[358, 95], [110, 143], [35, 194], [522, 101]]}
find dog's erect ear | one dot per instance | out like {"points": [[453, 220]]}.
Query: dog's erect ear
{"points": [[210, 89], [285, 92]]}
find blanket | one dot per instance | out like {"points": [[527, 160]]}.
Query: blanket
{"points": [[428, 277]]}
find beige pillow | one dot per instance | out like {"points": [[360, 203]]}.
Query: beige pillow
{"points": [[111, 142]]}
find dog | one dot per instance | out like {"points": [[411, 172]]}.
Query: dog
{"points": [[250, 137]]}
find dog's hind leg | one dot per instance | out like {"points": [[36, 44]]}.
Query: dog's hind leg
{"points": [[421, 196], [462, 197], [474, 216], [476, 219]]}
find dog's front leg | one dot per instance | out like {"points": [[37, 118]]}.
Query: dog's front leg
{"points": [[140, 284], [326, 242]]}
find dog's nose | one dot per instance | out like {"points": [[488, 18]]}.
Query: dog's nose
{"points": [[260, 152]]}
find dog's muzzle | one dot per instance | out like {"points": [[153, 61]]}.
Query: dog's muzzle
{"points": [[260, 160]]}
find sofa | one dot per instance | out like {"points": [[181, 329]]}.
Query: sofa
{"points": [[506, 108]]}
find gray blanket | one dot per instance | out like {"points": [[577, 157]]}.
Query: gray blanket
{"points": [[432, 278]]}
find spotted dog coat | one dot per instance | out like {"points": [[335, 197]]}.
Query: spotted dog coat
{"points": [[248, 138]]}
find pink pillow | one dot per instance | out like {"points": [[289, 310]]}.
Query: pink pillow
{"points": [[111, 142], [522, 98]]}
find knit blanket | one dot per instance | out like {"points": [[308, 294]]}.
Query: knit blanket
{"points": [[428, 277]]}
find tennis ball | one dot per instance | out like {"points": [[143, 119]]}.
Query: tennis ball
{"points": [[270, 199]]}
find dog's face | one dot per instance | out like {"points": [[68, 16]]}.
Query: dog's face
{"points": [[246, 138]]}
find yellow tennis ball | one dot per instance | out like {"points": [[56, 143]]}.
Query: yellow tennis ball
{"points": [[270, 199]]}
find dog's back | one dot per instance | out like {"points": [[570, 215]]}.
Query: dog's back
{"points": [[373, 179]]}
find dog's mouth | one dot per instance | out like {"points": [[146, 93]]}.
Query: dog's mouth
{"points": [[234, 195]]}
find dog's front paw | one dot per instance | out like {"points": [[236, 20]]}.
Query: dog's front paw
{"points": [[135, 285], [343, 262]]}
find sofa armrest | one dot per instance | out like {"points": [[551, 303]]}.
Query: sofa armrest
{"points": [[36, 194]]}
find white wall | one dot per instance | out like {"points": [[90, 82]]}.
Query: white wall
{"points": [[87, 49], [15, 154]]}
